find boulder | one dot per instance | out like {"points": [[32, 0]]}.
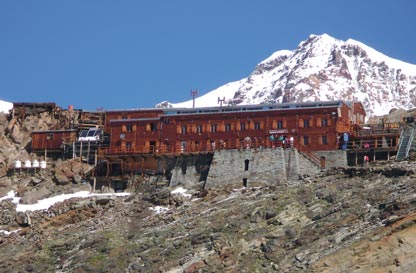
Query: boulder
{"points": [[77, 179], [23, 219], [16, 135], [36, 181], [5, 183], [32, 196], [104, 200], [3, 171], [62, 179], [7, 215], [161, 197]]}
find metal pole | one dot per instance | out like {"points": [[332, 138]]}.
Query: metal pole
{"points": [[80, 158], [194, 93]]}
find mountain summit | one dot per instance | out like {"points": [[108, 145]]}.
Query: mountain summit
{"points": [[322, 68]]}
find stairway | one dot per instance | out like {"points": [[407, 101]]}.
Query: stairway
{"points": [[310, 155], [406, 139]]}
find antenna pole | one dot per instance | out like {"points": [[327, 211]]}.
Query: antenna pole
{"points": [[194, 93], [220, 101]]}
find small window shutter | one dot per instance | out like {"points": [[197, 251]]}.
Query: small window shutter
{"points": [[301, 123]]}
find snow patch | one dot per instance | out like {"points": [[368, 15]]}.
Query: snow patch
{"points": [[159, 209], [5, 106], [5, 232], [44, 204], [181, 191], [11, 195], [276, 55]]}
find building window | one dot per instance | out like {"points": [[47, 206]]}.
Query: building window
{"points": [[49, 136], [151, 127], [324, 140], [199, 128], [242, 126], [213, 128], [129, 128], [324, 122], [306, 123], [257, 126], [129, 145], [279, 124], [183, 129], [227, 127], [124, 116], [305, 140]]}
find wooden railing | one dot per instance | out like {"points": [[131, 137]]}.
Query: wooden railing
{"points": [[192, 148], [309, 154]]}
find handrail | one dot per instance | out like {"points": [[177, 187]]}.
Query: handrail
{"points": [[409, 141], [412, 134], [309, 154]]}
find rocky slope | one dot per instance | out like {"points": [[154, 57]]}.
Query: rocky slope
{"points": [[15, 134], [365, 216], [322, 68]]}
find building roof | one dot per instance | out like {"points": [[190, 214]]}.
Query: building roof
{"points": [[252, 107]]}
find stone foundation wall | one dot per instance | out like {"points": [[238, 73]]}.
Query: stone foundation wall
{"points": [[250, 166], [189, 170], [334, 159], [255, 165]]}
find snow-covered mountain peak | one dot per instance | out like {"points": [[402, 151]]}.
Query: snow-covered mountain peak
{"points": [[277, 55], [323, 68], [380, 57]]}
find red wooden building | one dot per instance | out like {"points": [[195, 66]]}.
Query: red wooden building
{"points": [[313, 126], [52, 140]]}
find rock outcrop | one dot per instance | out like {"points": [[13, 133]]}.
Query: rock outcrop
{"points": [[355, 220]]}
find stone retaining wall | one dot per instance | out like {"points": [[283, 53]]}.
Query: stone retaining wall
{"points": [[334, 159], [250, 165]]}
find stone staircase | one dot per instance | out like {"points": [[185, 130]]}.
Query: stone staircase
{"points": [[405, 143], [310, 155]]}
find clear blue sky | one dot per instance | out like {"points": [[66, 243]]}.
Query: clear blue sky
{"points": [[134, 54]]}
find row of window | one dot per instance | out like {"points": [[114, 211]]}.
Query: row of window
{"points": [[305, 140], [307, 123], [227, 127], [215, 128], [150, 127]]}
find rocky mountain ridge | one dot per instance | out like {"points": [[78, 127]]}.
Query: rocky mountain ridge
{"points": [[322, 68]]}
